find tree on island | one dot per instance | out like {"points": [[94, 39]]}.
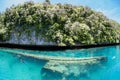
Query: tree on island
{"points": [[63, 24], [47, 1]]}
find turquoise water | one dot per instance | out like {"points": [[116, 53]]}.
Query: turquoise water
{"points": [[14, 68]]}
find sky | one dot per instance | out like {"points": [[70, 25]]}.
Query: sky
{"points": [[110, 8]]}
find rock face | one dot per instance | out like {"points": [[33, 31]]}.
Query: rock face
{"points": [[69, 70], [31, 39]]}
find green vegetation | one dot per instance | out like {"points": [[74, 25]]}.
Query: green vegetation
{"points": [[3, 30], [62, 24]]}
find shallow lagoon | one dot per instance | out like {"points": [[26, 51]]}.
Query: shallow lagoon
{"points": [[14, 68]]}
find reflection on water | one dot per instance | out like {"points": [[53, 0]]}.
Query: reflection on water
{"points": [[14, 67]]}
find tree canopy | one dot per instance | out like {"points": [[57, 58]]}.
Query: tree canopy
{"points": [[63, 24]]}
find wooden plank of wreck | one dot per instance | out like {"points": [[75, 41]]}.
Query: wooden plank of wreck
{"points": [[48, 58]]}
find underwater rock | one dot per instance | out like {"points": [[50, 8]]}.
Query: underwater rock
{"points": [[69, 70]]}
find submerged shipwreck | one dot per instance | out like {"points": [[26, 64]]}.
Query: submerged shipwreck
{"points": [[63, 68]]}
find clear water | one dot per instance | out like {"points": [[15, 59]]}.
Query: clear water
{"points": [[13, 68]]}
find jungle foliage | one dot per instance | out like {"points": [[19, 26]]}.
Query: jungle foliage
{"points": [[63, 24]]}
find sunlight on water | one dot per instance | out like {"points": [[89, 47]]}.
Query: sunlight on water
{"points": [[13, 67]]}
